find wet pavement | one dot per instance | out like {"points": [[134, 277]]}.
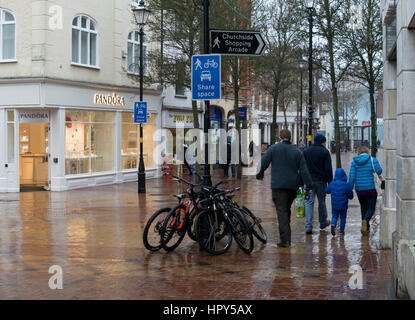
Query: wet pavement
{"points": [[95, 236]]}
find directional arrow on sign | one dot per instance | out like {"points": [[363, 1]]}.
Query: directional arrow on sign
{"points": [[237, 43]]}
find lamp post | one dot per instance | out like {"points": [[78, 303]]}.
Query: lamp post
{"points": [[310, 10], [141, 14], [301, 97]]}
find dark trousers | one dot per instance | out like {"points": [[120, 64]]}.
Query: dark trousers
{"points": [[283, 199], [226, 169], [367, 206]]}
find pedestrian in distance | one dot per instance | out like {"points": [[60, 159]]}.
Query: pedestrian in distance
{"points": [[185, 161], [289, 170], [228, 160], [341, 191], [319, 165], [361, 177], [301, 145]]}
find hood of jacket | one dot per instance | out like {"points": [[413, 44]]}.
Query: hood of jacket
{"points": [[362, 159], [340, 175]]}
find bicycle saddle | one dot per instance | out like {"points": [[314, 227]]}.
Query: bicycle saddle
{"points": [[180, 196]]}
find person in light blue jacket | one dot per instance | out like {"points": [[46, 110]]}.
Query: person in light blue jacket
{"points": [[361, 177]]}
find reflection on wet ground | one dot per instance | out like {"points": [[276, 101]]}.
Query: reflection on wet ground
{"points": [[95, 236]]}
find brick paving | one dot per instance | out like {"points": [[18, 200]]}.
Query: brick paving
{"points": [[95, 236]]}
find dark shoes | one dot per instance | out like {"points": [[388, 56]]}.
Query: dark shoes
{"points": [[333, 230], [284, 244], [309, 231], [326, 225]]}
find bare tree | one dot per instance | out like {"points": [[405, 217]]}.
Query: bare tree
{"points": [[280, 23], [177, 26], [334, 55], [365, 37]]}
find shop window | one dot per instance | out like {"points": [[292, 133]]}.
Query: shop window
{"points": [[10, 136], [89, 142], [133, 47], [130, 144], [7, 36], [84, 41]]}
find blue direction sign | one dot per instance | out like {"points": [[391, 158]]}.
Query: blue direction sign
{"points": [[206, 77], [140, 112]]}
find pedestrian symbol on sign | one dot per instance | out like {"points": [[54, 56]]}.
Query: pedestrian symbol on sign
{"points": [[216, 42], [198, 64]]}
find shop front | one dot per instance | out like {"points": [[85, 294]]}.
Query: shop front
{"points": [[72, 137], [174, 119]]}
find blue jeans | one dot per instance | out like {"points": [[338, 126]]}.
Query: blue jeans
{"points": [[335, 216], [319, 189]]}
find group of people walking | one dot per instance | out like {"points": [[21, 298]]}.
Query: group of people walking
{"points": [[312, 169]]}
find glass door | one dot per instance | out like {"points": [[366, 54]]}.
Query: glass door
{"points": [[34, 156]]}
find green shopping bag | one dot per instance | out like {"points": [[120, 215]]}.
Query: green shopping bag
{"points": [[300, 203]]}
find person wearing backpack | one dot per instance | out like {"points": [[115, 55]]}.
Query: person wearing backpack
{"points": [[341, 191], [361, 177]]}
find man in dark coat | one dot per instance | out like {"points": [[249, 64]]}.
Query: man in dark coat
{"points": [[319, 165], [289, 170]]}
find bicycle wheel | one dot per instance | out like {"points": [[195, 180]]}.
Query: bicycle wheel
{"points": [[191, 225], [174, 228], [213, 232], [255, 224], [241, 231], [152, 230]]}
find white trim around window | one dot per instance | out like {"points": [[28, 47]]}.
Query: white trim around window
{"points": [[7, 22], [85, 42]]}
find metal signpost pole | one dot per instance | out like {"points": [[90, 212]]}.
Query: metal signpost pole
{"points": [[206, 172]]}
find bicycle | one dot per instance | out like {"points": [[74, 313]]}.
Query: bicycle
{"points": [[152, 230], [221, 221], [180, 218]]}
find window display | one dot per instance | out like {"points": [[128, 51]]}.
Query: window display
{"points": [[89, 142], [130, 144]]}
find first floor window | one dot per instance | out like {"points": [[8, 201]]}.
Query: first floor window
{"points": [[7, 35], [133, 47], [84, 41]]}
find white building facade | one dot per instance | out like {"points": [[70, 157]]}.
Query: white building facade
{"points": [[398, 207], [68, 83]]}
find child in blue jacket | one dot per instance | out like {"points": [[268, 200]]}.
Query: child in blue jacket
{"points": [[341, 191]]}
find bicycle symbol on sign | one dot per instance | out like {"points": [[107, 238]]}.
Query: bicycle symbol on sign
{"points": [[210, 63]]}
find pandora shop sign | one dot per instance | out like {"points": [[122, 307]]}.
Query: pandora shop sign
{"points": [[34, 116], [109, 99]]}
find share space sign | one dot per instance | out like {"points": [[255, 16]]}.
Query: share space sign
{"points": [[206, 77]]}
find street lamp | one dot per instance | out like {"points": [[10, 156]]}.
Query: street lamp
{"points": [[301, 97], [141, 14], [310, 10]]}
